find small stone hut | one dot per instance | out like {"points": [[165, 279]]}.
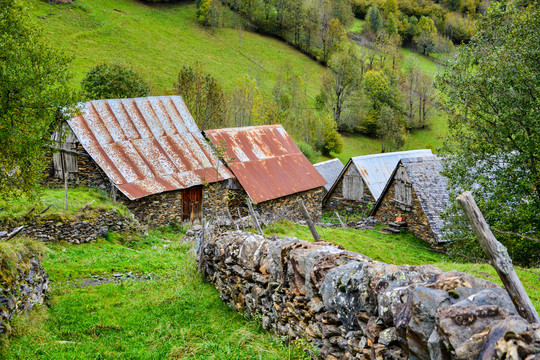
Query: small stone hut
{"points": [[270, 171], [151, 151], [362, 180], [418, 193], [329, 170]]}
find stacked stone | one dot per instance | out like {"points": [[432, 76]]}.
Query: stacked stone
{"points": [[77, 230], [348, 306], [21, 288]]}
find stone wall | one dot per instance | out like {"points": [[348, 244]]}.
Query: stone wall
{"points": [[82, 228], [415, 218], [155, 210], [286, 208], [347, 306], [21, 288], [334, 201], [216, 199]]}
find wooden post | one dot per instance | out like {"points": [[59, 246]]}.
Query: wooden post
{"points": [[113, 192], [254, 216], [64, 175], [314, 232], [240, 218], [498, 257], [339, 218]]}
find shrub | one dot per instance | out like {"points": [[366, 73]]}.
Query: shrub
{"points": [[308, 151], [113, 81]]}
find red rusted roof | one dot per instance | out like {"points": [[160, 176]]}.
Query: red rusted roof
{"points": [[266, 161], [147, 145]]}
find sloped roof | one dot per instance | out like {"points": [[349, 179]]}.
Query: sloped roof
{"points": [[329, 170], [376, 169], [146, 145], [430, 187], [266, 161]]}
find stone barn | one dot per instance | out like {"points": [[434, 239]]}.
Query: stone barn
{"points": [[417, 193], [270, 171], [362, 180], [329, 170], [148, 153]]}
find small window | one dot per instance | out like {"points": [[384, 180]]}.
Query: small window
{"points": [[353, 187], [233, 185]]}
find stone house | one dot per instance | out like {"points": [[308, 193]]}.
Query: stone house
{"points": [[148, 153], [329, 170], [418, 193], [270, 171], [363, 179]]}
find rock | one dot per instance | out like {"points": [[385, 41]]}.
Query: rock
{"points": [[493, 296], [388, 336], [496, 345], [190, 233], [457, 324], [423, 309], [344, 292], [373, 329], [197, 228]]}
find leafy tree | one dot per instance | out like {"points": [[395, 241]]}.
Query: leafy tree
{"points": [[427, 33], [341, 81], [113, 81], [329, 140], [332, 38], [374, 19], [492, 91], [203, 95], [246, 104], [390, 129], [34, 98]]}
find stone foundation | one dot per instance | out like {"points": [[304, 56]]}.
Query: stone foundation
{"points": [[347, 306], [21, 288]]}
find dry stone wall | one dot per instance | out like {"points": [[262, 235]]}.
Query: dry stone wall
{"points": [[21, 289], [347, 306], [83, 228]]}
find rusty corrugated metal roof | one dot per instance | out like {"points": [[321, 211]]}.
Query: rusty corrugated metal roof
{"points": [[266, 161], [146, 145]]}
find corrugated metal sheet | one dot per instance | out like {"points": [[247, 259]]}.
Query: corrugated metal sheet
{"points": [[266, 161], [146, 145], [377, 169], [329, 170]]}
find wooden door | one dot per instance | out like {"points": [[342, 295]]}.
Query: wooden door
{"points": [[192, 204]]}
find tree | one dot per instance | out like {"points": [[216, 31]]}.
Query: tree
{"points": [[374, 19], [113, 81], [341, 81], [390, 129], [34, 98], [427, 33], [492, 92], [203, 95], [245, 105]]}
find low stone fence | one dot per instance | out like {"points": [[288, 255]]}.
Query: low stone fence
{"points": [[82, 228], [348, 306], [21, 288]]}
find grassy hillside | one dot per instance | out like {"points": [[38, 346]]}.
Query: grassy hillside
{"points": [[158, 39]]}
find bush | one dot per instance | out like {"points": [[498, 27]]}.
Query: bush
{"points": [[113, 81], [308, 151]]}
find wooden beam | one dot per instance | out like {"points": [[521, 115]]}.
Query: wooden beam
{"points": [[498, 257], [339, 218], [254, 216], [304, 211], [14, 233]]}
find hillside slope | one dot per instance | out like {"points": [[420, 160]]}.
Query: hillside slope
{"points": [[157, 40]]}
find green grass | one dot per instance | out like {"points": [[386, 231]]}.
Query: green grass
{"points": [[403, 249], [174, 316], [77, 198], [357, 26], [158, 39]]}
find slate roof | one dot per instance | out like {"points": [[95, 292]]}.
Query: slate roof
{"points": [[266, 161], [376, 169], [430, 187], [329, 170], [146, 146]]}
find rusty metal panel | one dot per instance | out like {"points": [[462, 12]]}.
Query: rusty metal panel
{"points": [[266, 161], [377, 169], [146, 145]]}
